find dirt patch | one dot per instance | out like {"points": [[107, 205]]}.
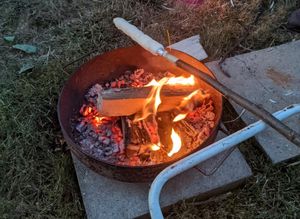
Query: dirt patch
{"points": [[280, 78]]}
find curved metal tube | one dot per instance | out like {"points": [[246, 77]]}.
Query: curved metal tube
{"points": [[206, 153]]}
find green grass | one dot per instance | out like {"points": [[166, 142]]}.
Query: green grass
{"points": [[37, 178]]}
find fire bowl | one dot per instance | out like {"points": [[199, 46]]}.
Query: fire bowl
{"points": [[106, 67]]}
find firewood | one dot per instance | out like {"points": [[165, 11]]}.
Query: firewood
{"points": [[128, 101], [189, 134]]}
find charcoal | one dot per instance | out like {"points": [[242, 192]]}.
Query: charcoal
{"points": [[99, 151], [108, 151], [115, 148], [108, 133], [81, 127], [106, 141], [87, 143]]}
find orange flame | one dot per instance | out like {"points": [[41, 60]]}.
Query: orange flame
{"points": [[155, 147], [176, 141], [181, 80], [179, 117], [183, 103], [154, 100], [98, 120]]}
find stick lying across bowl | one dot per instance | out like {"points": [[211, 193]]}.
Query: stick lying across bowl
{"points": [[158, 49]]}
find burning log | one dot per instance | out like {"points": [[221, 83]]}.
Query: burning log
{"points": [[128, 101], [141, 135]]}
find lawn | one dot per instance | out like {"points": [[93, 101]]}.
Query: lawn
{"points": [[37, 178]]}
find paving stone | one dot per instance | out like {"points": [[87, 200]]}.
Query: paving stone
{"points": [[108, 198], [191, 46], [271, 78]]}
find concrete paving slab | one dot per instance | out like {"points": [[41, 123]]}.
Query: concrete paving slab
{"points": [[191, 46], [108, 198], [271, 78]]}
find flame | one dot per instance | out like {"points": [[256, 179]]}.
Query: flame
{"points": [[181, 80], [183, 103], [179, 117], [155, 147], [176, 141], [153, 82], [87, 110], [190, 96], [97, 120], [154, 100]]}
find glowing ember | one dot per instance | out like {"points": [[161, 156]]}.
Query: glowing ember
{"points": [[176, 141], [85, 111], [98, 120]]}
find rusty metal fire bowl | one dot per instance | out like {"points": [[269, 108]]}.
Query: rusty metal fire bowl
{"points": [[107, 67]]}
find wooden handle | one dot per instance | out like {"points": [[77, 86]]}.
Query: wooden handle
{"points": [[138, 36]]}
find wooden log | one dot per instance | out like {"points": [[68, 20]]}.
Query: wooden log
{"points": [[128, 101]]}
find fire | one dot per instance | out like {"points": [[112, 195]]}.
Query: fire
{"points": [[155, 147], [85, 111], [181, 80], [153, 82], [98, 120], [154, 100], [174, 81], [183, 104], [176, 141], [179, 117]]}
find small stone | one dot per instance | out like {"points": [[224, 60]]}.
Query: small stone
{"points": [[81, 127], [294, 21], [115, 148], [108, 133], [106, 141], [99, 152], [108, 151]]}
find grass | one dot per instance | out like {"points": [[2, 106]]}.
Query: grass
{"points": [[37, 178]]}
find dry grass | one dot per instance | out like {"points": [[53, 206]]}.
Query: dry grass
{"points": [[37, 179]]}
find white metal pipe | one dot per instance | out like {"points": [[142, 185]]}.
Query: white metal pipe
{"points": [[206, 153]]}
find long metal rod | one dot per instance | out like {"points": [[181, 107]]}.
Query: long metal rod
{"points": [[206, 153]]}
